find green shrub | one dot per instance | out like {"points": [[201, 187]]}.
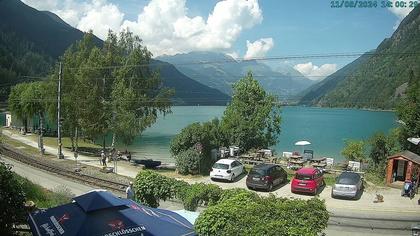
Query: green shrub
{"points": [[208, 134], [247, 214], [234, 192], [188, 162], [12, 200], [201, 194], [179, 189], [151, 187]]}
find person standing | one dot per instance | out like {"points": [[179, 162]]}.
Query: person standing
{"points": [[129, 191], [101, 160], [129, 156]]}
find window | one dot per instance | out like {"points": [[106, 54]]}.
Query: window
{"points": [[220, 166]]}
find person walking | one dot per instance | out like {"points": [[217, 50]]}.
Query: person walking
{"points": [[129, 191], [101, 159], [104, 160]]}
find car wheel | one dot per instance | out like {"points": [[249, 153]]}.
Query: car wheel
{"points": [[332, 195], [315, 191], [270, 187], [232, 178]]}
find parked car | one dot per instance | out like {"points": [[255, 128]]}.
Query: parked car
{"points": [[265, 176], [348, 184], [307, 180], [226, 169]]}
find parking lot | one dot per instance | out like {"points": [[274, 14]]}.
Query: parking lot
{"points": [[392, 197]]}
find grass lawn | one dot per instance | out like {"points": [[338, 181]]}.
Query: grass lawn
{"points": [[44, 198]]}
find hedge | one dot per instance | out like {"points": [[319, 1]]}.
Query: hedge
{"points": [[248, 214], [235, 211]]}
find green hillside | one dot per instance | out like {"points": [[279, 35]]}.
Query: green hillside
{"points": [[375, 80], [31, 41], [18, 58]]}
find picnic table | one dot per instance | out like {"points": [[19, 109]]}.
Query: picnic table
{"points": [[318, 160], [295, 157], [319, 165]]}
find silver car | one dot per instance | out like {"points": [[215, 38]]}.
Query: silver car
{"points": [[348, 184]]}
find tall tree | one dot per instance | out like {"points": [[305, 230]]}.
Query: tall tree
{"points": [[408, 112], [16, 105], [110, 89], [253, 119], [34, 103]]}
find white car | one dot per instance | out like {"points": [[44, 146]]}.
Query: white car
{"points": [[226, 169]]}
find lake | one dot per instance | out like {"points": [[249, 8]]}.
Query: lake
{"points": [[326, 128]]}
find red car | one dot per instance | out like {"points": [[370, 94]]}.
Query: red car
{"points": [[307, 180]]}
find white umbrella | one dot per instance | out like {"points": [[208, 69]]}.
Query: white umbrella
{"points": [[302, 143], [415, 141]]}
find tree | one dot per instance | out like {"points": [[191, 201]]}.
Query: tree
{"points": [[110, 89], [28, 100], [12, 200], [16, 105], [184, 146], [408, 111], [380, 149], [354, 150], [34, 101], [253, 119]]}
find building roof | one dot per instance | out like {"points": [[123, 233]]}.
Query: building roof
{"points": [[407, 155]]}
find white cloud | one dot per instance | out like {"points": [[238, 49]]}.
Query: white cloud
{"points": [[166, 29], [315, 72], [400, 12], [46, 5], [96, 15], [164, 25], [258, 48], [101, 18]]}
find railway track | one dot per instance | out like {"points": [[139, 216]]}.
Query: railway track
{"points": [[17, 155]]}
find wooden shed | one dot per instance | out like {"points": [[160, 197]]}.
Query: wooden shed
{"points": [[402, 166]]}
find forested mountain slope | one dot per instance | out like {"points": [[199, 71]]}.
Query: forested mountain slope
{"points": [[31, 41], [375, 80]]}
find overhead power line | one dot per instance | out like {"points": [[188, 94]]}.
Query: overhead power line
{"points": [[290, 57]]}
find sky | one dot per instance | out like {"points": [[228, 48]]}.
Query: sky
{"points": [[244, 29]]}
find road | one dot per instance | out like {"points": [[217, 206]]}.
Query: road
{"points": [[342, 221]]}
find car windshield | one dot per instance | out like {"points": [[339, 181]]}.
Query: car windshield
{"points": [[303, 177], [257, 172], [221, 166], [348, 179]]}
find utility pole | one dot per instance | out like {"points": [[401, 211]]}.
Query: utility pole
{"points": [[60, 153]]}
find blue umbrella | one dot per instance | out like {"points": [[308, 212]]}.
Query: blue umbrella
{"points": [[102, 213]]}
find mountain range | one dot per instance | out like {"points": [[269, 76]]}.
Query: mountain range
{"points": [[220, 71], [378, 78], [36, 39]]}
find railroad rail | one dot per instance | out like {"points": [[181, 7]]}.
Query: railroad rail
{"points": [[22, 157]]}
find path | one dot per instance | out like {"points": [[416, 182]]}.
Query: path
{"points": [[393, 202]]}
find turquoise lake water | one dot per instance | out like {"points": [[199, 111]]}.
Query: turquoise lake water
{"points": [[326, 128]]}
